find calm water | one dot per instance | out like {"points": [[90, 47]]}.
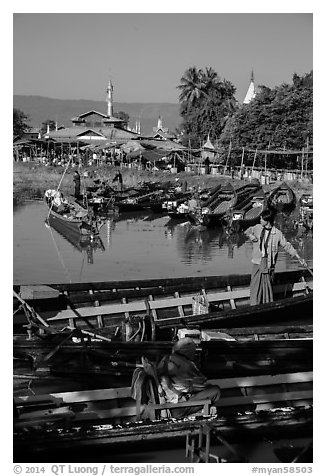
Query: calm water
{"points": [[137, 246]]}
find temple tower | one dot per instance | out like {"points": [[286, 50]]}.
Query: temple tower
{"points": [[110, 98], [251, 93]]}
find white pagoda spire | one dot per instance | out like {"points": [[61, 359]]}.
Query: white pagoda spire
{"points": [[109, 91], [251, 93]]}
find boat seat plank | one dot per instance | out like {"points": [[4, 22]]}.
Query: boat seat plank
{"points": [[265, 398], [262, 380], [39, 291], [125, 392], [99, 311], [140, 306]]}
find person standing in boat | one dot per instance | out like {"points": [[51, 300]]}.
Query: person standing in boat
{"points": [[181, 379], [266, 240], [119, 178], [76, 179]]}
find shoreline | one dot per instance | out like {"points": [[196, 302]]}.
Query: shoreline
{"points": [[31, 180]]}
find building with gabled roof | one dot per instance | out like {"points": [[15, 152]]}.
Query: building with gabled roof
{"points": [[95, 126], [160, 132], [208, 150]]}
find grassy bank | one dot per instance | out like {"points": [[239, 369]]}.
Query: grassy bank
{"points": [[32, 180]]}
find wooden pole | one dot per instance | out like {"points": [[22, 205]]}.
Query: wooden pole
{"points": [[228, 156], [253, 164], [302, 158], [242, 157]]}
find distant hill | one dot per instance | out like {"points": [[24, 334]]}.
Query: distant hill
{"points": [[40, 109]]}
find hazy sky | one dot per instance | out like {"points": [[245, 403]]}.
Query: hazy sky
{"points": [[72, 55]]}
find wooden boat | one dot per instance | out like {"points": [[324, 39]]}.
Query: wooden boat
{"points": [[227, 198], [282, 198], [71, 217], [179, 210], [250, 214], [76, 357], [121, 306], [138, 202], [169, 201], [306, 201], [54, 426], [80, 242]]}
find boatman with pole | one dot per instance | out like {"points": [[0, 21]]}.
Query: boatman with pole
{"points": [[266, 239]]}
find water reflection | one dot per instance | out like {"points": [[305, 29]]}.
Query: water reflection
{"points": [[140, 245], [195, 243], [83, 243]]}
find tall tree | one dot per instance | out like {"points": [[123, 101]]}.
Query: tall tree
{"points": [[19, 122], [279, 117], [206, 102], [192, 88]]}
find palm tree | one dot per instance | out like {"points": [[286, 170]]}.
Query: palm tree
{"points": [[192, 87]]}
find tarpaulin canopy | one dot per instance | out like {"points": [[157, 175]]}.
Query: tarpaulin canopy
{"points": [[131, 146], [149, 155]]}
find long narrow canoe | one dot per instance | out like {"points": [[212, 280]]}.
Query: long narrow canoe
{"points": [[119, 308], [225, 201], [249, 214], [282, 198], [58, 426], [77, 356]]}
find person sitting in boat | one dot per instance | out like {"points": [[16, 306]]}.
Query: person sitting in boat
{"points": [[49, 195], [266, 240], [193, 203], [182, 380], [58, 203]]}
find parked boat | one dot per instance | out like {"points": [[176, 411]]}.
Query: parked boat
{"points": [[121, 306], [66, 214], [226, 199], [282, 198], [250, 214], [179, 209], [81, 242], [60, 426], [83, 357]]}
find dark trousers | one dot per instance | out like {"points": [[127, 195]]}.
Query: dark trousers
{"points": [[211, 392]]}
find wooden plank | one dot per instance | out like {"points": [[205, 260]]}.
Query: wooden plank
{"points": [[102, 310], [125, 392], [262, 380], [197, 282], [93, 395], [180, 308], [53, 414], [233, 306], [39, 291], [265, 398]]}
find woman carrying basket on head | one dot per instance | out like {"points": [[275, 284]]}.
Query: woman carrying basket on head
{"points": [[266, 240]]}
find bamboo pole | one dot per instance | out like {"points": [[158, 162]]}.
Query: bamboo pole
{"points": [[253, 164], [228, 156], [242, 157]]}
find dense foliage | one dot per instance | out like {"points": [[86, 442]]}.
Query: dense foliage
{"points": [[19, 122], [277, 118], [206, 103]]}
